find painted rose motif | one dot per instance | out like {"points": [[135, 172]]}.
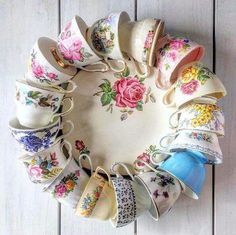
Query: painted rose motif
{"points": [[190, 87], [144, 157], [35, 171], [79, 145], [127, 93], [147, 45]]}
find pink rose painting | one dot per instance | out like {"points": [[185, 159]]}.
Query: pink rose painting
{"points": [[144, 157], [35, 171], [190, 87], [60, 190], [128, 93], [37, 69]]}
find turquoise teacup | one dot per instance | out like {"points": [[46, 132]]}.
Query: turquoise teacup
{"points": [[188, 167]]}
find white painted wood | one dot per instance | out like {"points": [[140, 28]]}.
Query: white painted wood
{"points": [[90, 11], [24, 209], [225, 174], [193, 19]]}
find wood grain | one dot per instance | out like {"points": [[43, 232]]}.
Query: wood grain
{"points": [[24, 208]]}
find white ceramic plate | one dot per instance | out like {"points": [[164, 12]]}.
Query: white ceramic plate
{"points": [[110, 133]]}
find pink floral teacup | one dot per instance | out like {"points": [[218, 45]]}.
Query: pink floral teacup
{"points": [[104, 38], [36, 107], [45, 67], [74, 48], [195, 82], [43, 167], [139, 41], [173, 54], [68, 187]]}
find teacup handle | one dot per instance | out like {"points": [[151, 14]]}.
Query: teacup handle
{"points": [[124, 166], [74, 86], [138, 70], [71, 124], [96, 174], [65, 112], [104, 69], [168, 93], [82, 156], [69, 149], [115, 69], [146, 164], [165, 137], [173, 115]]}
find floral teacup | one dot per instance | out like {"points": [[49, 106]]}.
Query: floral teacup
{"points": [[36, 107], [139, 41], [68, 187], [194, 82], [174, 53], [205, 142], [163, 189], [98, 198], [74, 48], [131, 198], [45, 66], [104, 38], [43, 167], [35, 140], [203, 117]]}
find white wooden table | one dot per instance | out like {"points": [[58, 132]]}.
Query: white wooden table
{"points": [[24, 210]]}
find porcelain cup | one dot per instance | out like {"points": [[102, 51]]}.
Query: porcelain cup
{"points": [[74, 48], [104, 38], [174, 52], [200, 117], [36, 140], [195, 82], [68, 187], [98, 198], [36, 107], [131, 198]]}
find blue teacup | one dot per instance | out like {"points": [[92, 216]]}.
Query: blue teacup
{"points": [[188, 167], [36, 140]]}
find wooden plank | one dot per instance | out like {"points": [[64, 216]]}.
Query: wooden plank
{"points": [[24, 208], [90, 11], [225, 174], [193, 19]]}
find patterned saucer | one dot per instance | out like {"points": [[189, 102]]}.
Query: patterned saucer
{"points": [[117, 117]]}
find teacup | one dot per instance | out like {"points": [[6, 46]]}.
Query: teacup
{"points": [[131, 198], [37, 107], [74, 48], [163, 189], [202, 117], [36, 140], [68, 187], [43, 167], [104, 38], [173, 53], [98, 198], [46, 68], [205, 142], [188, 167], [139, 41], [194, 83]]}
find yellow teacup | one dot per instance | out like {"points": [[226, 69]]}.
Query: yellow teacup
{"points": [[98, 199]]}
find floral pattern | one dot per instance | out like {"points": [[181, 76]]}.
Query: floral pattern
{"points": [[41, 169], [80, 146], [102, 37], [37, 98], [66, 185], [42, 73], [90, 200], [200, 136], [193, 77], [147, 45], [71, 46], [128, 93]]}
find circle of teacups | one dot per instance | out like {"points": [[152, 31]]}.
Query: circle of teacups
{"points": [[44, 66], [43, 167], [194, 81], [68, 187], [131, 198], [163, 188], [139, 41], [37, 107], [74, 48], [38, 139], [104, 38], [173, 53], [98, 198], [188, 167], [202, 117], [205, 142]]}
